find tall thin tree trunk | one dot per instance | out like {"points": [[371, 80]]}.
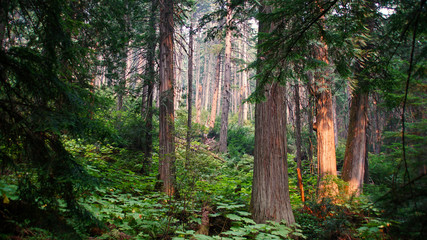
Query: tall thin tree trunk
{"points": [[166, 114], [123, 56], [310, 122], [190, 89], [227, 78], [377, 136], [235, 92], [178, 77], [298, 140], [216, 91], [144, 99], [147, 146], [206, 85], [245, 85], [240, 96], [198, 66], [121, 86], [203, 82], [199, 104], [334, 114], [219, 107]]}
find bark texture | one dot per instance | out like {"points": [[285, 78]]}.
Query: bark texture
{"points": [[310, 122], [216, 91], [270, 190], [355, 157], [327, 165], [198, 88], [206, 82], [243, 107], [190, 90], [199, 104], [355, 152], [166, 115], [227, 79]]}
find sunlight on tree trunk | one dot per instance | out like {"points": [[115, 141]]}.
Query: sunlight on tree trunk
{"points": [[327, 165], [216, 91]]}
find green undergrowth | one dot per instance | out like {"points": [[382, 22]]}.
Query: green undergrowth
{"points": [[123, 204], [129, 207]]}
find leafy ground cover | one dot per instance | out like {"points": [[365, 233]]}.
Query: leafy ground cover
{"points": [[214, 199]]}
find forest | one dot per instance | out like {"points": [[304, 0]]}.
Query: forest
{"points": [[213, 119]]}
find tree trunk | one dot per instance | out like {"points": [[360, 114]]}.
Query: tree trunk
{"points": [[178, 78], [123, 56], [166, 115], [144, 97], [298, 140], [310, 121], [227, 79], [147, 146], [234, 91], [221, 74], [270, 190], [203, 82], [356, 148], [207, 83], [197, 85], [216, 91], [241, 96], [199, 104], [326, 158], [355, 151], [377, 136], [190, 89], [245, 86], [334, 116]]}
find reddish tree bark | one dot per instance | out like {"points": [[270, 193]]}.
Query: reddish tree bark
{"points": [[355, 157], [270, 188], [199, 104], [327, 165], [166, 114], [355, 152], [216, 91]]}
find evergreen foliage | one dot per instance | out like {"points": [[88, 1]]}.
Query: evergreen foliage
{"points": [[76, 127]]}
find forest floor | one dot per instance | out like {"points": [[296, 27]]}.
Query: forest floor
{"points": [[214, 203]]}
